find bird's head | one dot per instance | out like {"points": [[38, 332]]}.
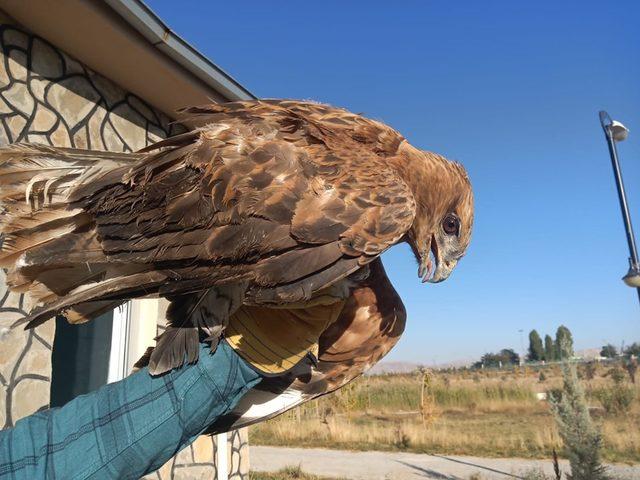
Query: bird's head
{"points": [[441, 230]]}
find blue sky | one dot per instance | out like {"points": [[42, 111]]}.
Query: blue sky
{"points": [[511, 90]]}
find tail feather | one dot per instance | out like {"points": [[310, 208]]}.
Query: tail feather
{"points": [[16, 245], [86, 312], [48, 241], [74, 248], [41, 175], [25, 220], [116, 289]]}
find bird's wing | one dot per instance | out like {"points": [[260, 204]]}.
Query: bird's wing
{"points": [[271, 197], [368, 327], [287, 204]]}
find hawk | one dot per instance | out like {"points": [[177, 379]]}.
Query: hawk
{"points": [[271, 203]]}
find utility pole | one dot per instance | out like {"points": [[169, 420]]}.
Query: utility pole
{"points": [[521, 348], [615, 131]]}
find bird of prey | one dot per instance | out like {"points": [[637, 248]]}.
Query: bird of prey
{"points": [[270, 203]]}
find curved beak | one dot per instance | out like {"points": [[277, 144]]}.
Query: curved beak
{"points": [[429, 261], [425, 269], [443, 271], [432, 268]]}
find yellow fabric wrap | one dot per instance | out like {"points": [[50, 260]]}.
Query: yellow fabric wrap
{"points": [[274, 340]]}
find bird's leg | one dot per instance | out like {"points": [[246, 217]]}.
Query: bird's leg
{"points": [[215, 309], [188, 316]]}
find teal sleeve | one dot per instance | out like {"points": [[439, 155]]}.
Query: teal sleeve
{"points": [[126, 429]]}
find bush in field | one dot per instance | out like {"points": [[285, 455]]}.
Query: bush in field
{"points": [[631, 366], [538, 474], [542, 377], [428, 408], [589, 370], [582, 440], [287, 473], [535, 474], [554, 394], [402, 441], [615, 400], [616, 374]]}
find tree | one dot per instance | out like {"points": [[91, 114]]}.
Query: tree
{"points": [[505, 357], [582, 439], [549, 349], [509, 356], [564, 343], [633, 349], [609, 351], [536, 352]]}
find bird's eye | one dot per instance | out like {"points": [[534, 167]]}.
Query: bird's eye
{"points": [[451, 224]]}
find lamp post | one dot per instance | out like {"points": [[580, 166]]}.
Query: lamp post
{"points": [[521, 348], [615, 131]]}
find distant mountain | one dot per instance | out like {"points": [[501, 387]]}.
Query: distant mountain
{"points": [[588, 353], [393, 367], [408, 367]]}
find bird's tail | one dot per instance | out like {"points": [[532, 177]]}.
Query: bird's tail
{"points": [[47, 240]]}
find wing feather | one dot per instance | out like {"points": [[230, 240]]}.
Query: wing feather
{"points": [[287, 196]]}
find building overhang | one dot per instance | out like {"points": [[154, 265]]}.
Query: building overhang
{"points": [[127, 43]]}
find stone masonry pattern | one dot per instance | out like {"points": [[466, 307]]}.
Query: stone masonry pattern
{"points": [[47, 97]]}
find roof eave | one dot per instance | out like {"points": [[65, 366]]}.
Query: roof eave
{"points": [[149, 25]]}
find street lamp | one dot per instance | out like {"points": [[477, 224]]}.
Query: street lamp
{"points": [[521, 348], [615, 131]]}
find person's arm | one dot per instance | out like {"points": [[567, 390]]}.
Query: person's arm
{"points": [[126, 429]]}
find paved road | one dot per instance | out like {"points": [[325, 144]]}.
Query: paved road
{"points": [[404, 466]]}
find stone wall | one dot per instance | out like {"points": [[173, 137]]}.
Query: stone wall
{"points": [[197, 461], [48, 97]]}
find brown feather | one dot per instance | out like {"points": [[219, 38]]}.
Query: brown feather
{"points": [[207, 311]]}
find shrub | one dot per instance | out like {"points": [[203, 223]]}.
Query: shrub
{"points": [[535, 474], [582, 439], [554, 395], [631, 366], [402, 440], [590, 370], [616, 374], [615, 400]]}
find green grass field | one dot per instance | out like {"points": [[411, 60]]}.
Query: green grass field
{"points": [[486, 413]]}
